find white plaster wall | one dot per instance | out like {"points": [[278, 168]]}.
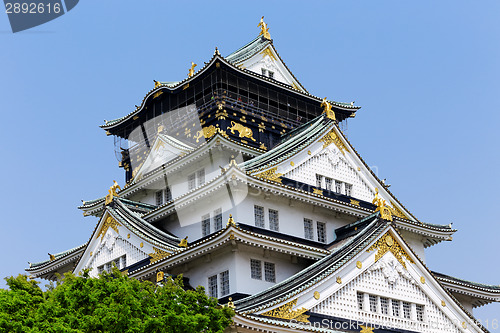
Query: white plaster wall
{"points": [[416, 243]]}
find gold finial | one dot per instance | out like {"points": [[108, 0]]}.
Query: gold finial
{"points": [[184, 242], [230, 221], [191, 70], [161, 128], [160, 276], [233, 161], [264, 30], [327, 108], [29, 264], [230, 304], [112, 192], [51, 256], [157, 83], [385, 212]]}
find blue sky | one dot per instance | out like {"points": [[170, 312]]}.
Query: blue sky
{"points": [[426, 74]]}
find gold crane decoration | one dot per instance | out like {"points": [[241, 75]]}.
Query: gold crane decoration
{"points": [[264, 30]]}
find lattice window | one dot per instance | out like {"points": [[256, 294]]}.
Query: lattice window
{"points": [[348, 189], [384, 305], [256, 269], [224, 283], [319, 180], [191, 181], [420, 312], [201, 177], [338, 186], [205, 225], [167, 194], [308, 229], [373, 303], [407, 310], [395, 308], [212, 286], [259, 216], [270, 74], [159, 198], [269, 272], [321, 229], [218, 219], [361, 300], [328, 183], [274, 223]]}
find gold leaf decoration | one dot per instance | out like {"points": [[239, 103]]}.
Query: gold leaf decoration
{"points": [[317, 191], [244, 132], [397, 212], [285, 312], [270, 174], [206, 132], [332, 137], [387, 243], [109, 222], [158, 254]]}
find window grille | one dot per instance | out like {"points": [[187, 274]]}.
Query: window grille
{"points": [[264, 71], [361, 300], [224, 283], [212, 286], [348, 189], [373, 303], [159, 198], [328, 183], [338, 186], [319, 180], [201, 177], [270, 74], [269, 272], [384, 305], [259, 216], [308, 229], [321, 228], [168, 194], [218, 219], [256, 269], [406, 310], [273, 220], [395, 308], [191, 181], [205, 225], [420, 312]]}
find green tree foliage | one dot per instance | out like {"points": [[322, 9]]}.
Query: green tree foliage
{"points": [[111, 303]]}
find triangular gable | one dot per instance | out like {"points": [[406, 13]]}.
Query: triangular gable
{"points": [[331, 157], [114, 240], [259, 55], [164, 149], [383, 271]]}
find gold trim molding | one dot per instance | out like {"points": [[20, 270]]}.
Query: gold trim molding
{"points": [[332, 137], [158, 254], [285, 312], [109, 222], [387, 243], [271, 175]]}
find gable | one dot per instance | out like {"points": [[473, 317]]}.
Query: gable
{"points": [[385, 271]]}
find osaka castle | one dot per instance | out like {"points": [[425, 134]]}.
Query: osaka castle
{"points": [[243, 181]]}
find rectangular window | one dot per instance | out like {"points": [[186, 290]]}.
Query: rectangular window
{"points": [[100, 269], [406, 310], [384, 305], [123, 261], [373, 303], [107, 267], [264, 71], [218, 219], [319, 180], [224, 283], [308, 229], [167, 194], [201, 177], [328, 184], [348, 189], [274, 223], [361, 300], [269, 272], [256, 269], [271, 74], [159, 198], [420, 312], [395, 308], [259, 216], [321, 229], [191, 181], [212, 286], [338, 186], [205, 225]]}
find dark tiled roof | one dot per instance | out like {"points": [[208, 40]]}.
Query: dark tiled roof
{"points": [[475, 285]]}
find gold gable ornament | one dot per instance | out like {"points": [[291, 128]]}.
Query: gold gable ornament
{"points": [[160, 276], [264, 30], [109, 222], [387, 243], [184, 242], [230, 221], [327, 109], [191, 70], [271, 175], [285, 312], [385, 212], [158, 254], [112, 193]]}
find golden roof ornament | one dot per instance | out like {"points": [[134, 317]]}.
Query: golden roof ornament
{"points": [[191, 70], [385, 212], [184, 242], [157, 83], [112, 192], [327, 108], [230, 304], [264, 30], [230, 221], [51, 256]]}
